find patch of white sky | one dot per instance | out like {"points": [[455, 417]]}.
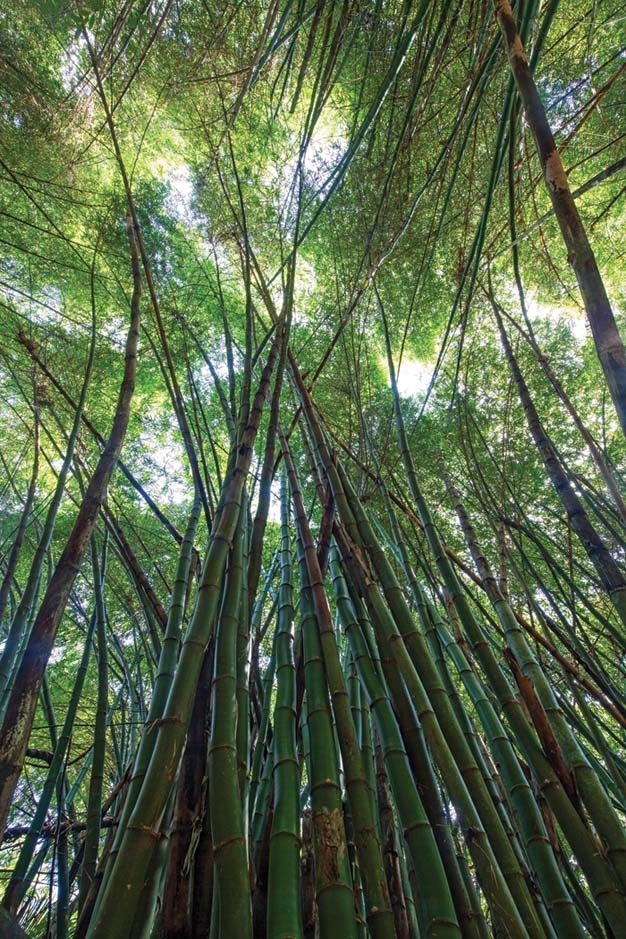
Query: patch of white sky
{"points": [[571, 316], [57, 654], [274, 509], [214, 251], [179, 201], [115, 330], [217, 355], [325, 149], [168, 478], [413, 377], [44, 310], [559, 313], [273, 514], [73, 65], [220, 366]]}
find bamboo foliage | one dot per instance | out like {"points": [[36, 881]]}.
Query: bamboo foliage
{"points": [[324, 636]]}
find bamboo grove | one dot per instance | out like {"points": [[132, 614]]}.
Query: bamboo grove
{"points": [[312, 507]]}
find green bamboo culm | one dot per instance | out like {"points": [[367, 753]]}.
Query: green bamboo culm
{"points": [[332, 872], [378, 910], [139, 838], [433, 707], [435, 906], [96, 782], [230, 855], [166, 668], [284, 917]]}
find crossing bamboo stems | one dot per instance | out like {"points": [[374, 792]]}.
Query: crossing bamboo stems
{"points": [[378, 911], [142, 830], [608, 342]]}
